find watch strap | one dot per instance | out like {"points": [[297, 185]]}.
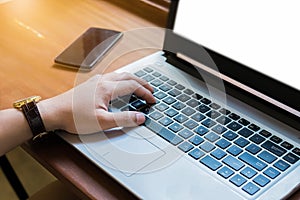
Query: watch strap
{"points": [[33, 118]]}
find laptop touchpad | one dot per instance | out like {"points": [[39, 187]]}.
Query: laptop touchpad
{"points": [[129, 152]]}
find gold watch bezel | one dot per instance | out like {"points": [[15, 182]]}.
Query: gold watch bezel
{"points": [[19, 103]]}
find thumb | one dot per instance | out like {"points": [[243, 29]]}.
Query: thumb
{"points": [[122, 119]]}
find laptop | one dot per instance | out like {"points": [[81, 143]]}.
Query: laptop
{"points": [[227, 118]]}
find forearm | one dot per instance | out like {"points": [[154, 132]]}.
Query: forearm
{"points": [[14, 129]]}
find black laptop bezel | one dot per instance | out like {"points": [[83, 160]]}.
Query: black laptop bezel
{"points": [[237, 71]]}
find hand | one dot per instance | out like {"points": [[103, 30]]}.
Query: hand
{"points": [[84, 109]]}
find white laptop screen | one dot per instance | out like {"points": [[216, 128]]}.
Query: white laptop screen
{"points": [[263, 35]]}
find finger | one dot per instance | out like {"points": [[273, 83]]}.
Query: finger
{"points": [[109, 120], [127, 76], [130, 86]]}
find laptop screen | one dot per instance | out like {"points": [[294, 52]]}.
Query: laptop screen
{"points": [[259, 37]]}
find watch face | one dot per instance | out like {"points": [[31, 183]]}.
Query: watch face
{"points": [[18, 104]]}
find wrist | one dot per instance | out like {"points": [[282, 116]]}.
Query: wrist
{"points": [[50, 115]]}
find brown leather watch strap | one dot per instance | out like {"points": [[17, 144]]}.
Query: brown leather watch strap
{"points": [[33, 118]]}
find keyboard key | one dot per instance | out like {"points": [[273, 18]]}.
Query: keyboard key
{"points": [[238, 180], [245, 132], [156, 74], [271, 172], [183, 97], [196, 153], [148, 78], [152, 125], [254, 149], [213, 114], [234, 126], [265, 133], [276, 139], [225, 172], [185, 133], [273, 148], [161, 107], [171, 82], [296, 151], [248, 172], [205, 101], [169, 100], [196, 140], [175, 127], [201, 130], [193, 103], [252, 161], [291, 158], [178, 105], [207, 146], [203, 108], [165, 87], [257, 139], [230, 135], [219, 129], [156, 115], [223, 120], [164, 78], [281, 165], [188, 111], [234, 150], [208, 123], [261, 180], [224, 111], [266, 156], [234, 116], [211, 163], [179, 87], [188, 91], [156, 82], [140, 73], [169, 136], [180, 118], [242, 142], [244, 122], [191, 124], [171, 112], [287, 145], [174, 92], [218, 154], [254, 127], [160, 95], [233, 162], [212, 137], [250, 188], [165, 121], [215, 106], [185, 147], [223, 144], [138, 104], [198, 117]]}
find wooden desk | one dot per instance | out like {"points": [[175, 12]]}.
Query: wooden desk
{"points": [[33, 32]]}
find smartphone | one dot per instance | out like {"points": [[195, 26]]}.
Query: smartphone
{"points": [[88, 48]]}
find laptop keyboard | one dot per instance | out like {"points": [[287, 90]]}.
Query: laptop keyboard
{"points": [[233, 147]]}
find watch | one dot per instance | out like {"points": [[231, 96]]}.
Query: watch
{"points": [[30, 110]]}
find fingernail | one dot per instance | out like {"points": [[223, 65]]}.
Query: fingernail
{"points": [[140, 118]]}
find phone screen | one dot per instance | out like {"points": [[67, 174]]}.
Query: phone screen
{"points": [[88, 48]]}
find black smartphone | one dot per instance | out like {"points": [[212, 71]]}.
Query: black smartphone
{"points": [[88, 48]]}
